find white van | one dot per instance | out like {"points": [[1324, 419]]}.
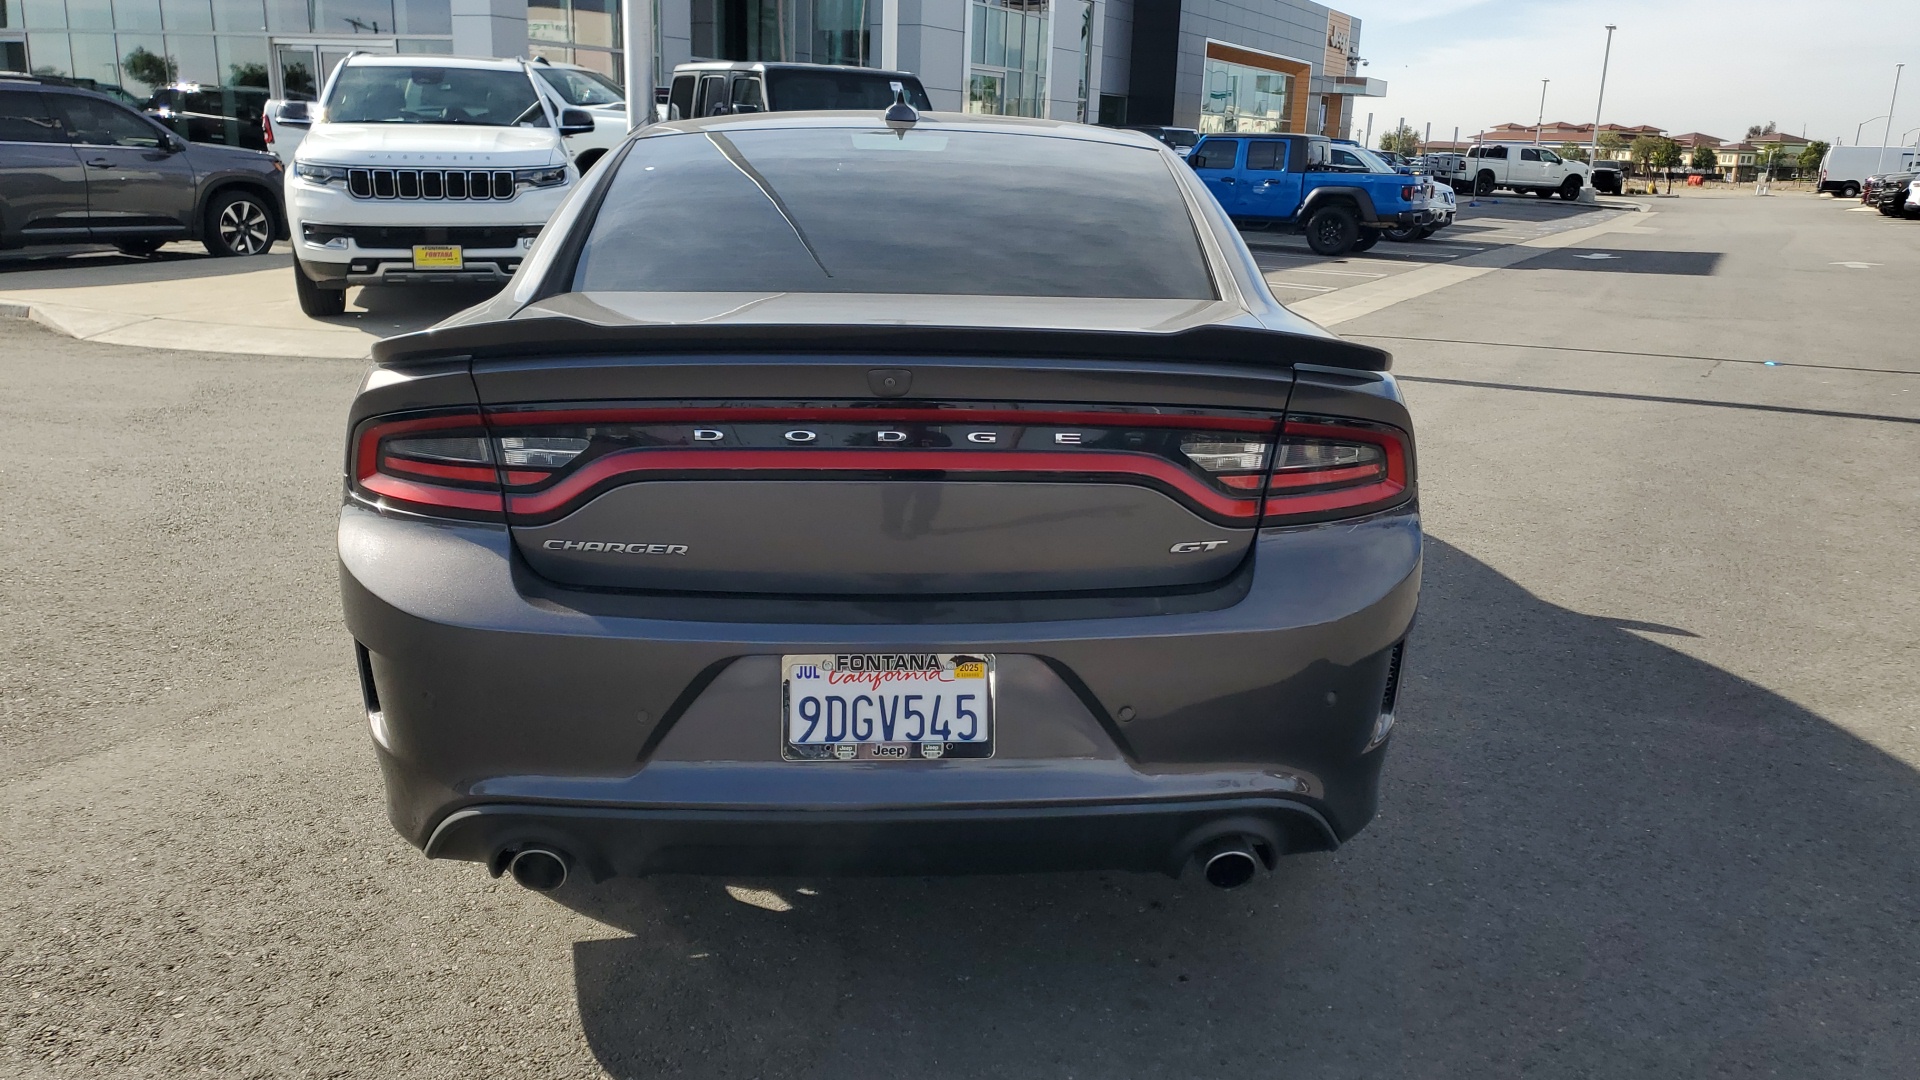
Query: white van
{"points": [[1845, 169]]}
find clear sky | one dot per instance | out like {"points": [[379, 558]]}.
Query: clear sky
{"points": [[1817, 66]]}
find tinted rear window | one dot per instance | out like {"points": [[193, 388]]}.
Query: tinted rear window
{"points": [[800, 91], [847, 210]]}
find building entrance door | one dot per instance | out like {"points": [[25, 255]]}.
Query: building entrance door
{"points": [[301, 67]]}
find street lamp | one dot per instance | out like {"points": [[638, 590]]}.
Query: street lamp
{"points": [[1538, 124], [636, 21], [1884, 135], [1862, 124], [1593, 155]]}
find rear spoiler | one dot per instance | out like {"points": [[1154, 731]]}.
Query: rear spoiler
{"points": [[561, 336]]}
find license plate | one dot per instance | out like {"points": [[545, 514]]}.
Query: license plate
{"points": [[886, 706], [437, 257]]}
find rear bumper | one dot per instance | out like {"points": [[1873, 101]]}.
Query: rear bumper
{"points": [[1406, 218], [605, 842], [643, 732]]}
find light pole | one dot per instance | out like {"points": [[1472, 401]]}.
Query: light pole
{"points": [[1593, 155], [1858, 127], [1541, 122], [636, 21], [1884, 135]]}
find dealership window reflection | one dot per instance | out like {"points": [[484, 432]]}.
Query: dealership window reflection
{"points": [[1243, 98]]}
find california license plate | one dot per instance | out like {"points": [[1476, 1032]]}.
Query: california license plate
{"points": [[437, 257], [886, 706]]}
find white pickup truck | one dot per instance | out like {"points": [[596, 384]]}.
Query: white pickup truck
{"points": [[1517, 167]]}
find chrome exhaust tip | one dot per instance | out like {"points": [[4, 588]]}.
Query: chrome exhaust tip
{"points": [[1230, 863], [538, 869]]}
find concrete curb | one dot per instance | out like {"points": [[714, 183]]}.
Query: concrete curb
{"points": [[162, 332]]}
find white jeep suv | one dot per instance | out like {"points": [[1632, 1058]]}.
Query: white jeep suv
{"points": [[424, 169]]}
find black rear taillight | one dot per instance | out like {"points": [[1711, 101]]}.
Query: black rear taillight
{"points": [[440, 464]]}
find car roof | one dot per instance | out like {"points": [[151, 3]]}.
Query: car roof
{"points": [[774, 65], [430, 60], [940, 121]]}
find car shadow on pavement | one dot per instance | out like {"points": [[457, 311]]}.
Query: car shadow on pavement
{"points": [[1596, 856], [31, 271]]}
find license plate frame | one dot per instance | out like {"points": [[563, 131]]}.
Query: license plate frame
{"points": [[438, 257], [886, 679]]}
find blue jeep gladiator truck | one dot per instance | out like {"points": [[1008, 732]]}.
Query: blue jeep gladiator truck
{"points": [[1329, 192]]}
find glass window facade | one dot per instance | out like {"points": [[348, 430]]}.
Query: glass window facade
{"points": [[1008, 71], [131, 48], [1236, 97]]}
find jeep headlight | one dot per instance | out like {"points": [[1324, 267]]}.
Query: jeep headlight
{"points": [[320, 174], [551, 176]]}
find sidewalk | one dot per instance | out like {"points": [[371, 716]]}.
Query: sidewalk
{"points": [[184, 300]]}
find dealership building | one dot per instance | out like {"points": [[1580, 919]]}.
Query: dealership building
{"points": [[1218, 65]]}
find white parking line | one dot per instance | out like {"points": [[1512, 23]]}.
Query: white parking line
{"points": [[1297, 285], [1336, 273]]}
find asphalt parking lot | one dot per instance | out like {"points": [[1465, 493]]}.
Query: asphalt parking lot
{"points": [[1648, 812], [184, 298]]}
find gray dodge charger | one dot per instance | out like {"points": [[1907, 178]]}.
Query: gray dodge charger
{"points": [[839, 493]]}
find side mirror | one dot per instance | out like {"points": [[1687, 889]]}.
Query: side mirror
{"points": [[575, 122]]}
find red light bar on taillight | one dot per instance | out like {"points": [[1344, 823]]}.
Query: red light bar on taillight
{"points": [[438, 464], [1327, 469]]}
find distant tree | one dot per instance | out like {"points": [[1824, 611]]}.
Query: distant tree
{"points": [[248, 74], [1810, 157], [1757, 130], [1572, 152], [1665, 156], [1401, 140], [1767, 158], [1704, 159], [152, 69], [1642, 150]]}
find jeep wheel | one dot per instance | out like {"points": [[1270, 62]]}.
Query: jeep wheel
{"points": [[1849, 190], [238, 223], [1428, 230], [314, 300], [1332, 230], [1570, 188], [1368, 238], [1405, 233], [1483, 184]]}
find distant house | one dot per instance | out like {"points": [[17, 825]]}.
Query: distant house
{"points": [[1693, 140], [1789, 146], [1737, 161]]}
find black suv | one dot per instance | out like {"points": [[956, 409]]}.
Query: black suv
{"points": [[78, 167], [725, 87], [222, 115]]}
